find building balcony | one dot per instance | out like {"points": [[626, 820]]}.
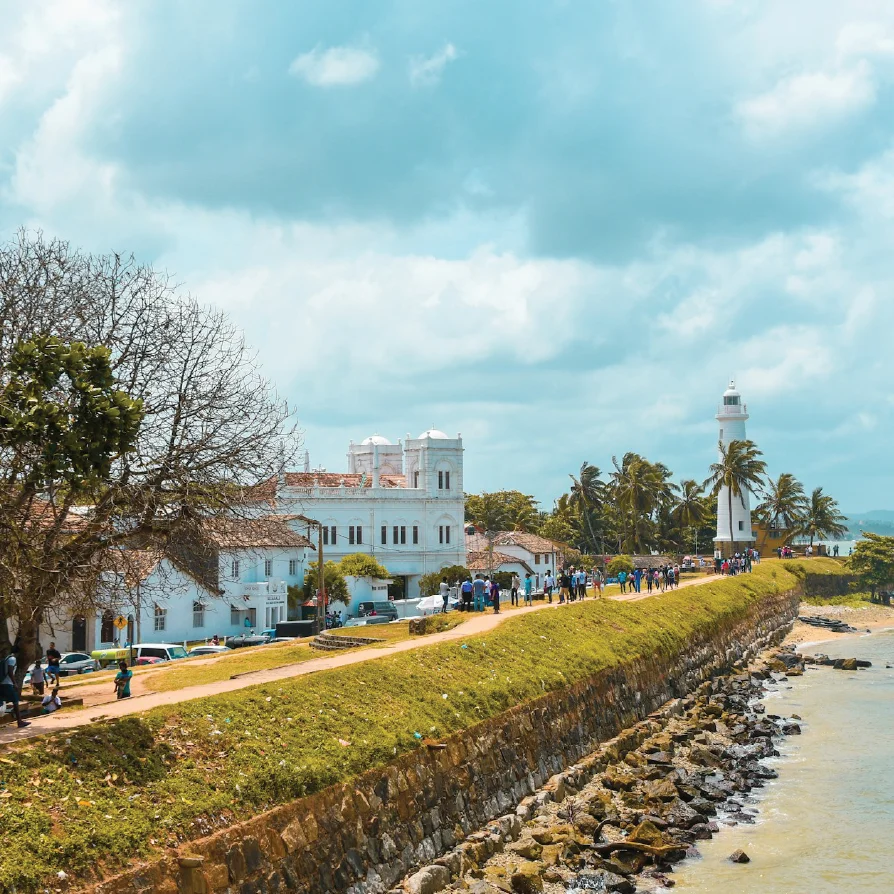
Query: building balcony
{"points": [[740, 410]]}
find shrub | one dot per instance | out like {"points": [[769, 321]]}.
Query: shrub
{"points": [[429, 583], [362, 565], [618, 564]]}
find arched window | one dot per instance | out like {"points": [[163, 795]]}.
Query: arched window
{"points": [[198, 614]]}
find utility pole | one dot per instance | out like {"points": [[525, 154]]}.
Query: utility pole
{"points": [[321, 589]]}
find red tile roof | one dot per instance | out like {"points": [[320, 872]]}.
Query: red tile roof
{"points": [[533, 543], [337, 479], [484, 560]]}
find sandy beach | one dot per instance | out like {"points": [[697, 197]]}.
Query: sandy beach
{"points": [[869, 619]]}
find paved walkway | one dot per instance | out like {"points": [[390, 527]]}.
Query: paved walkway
{"points": [[477, 624]]}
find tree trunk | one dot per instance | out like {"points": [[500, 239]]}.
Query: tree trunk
{"points": [[29, 647], [5, 643]]}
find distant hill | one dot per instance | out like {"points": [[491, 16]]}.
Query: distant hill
{"points": [[877, 521]]}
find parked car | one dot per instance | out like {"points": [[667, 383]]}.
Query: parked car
{"points": [[148, 659], [73, 663], [247, 639], [373, 609], [368, 621], [208, 650], [164, 651]]}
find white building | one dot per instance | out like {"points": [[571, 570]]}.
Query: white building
{"points": [[731, 417], [516, 551], [400, 502], [235, 580]]}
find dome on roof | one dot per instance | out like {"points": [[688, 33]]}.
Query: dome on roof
{"points": [[375, 439], [434, 434], [732, 391]]}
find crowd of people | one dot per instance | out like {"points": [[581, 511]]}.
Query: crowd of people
{"points": [[655, 579], [739, 563]]}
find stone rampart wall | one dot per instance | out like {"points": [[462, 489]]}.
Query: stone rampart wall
{"points": [[362, 837]]}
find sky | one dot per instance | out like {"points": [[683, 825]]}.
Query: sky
{"points": [[557, 227]]}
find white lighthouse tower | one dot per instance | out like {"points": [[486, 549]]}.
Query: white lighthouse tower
{"points": [[731, 416]]}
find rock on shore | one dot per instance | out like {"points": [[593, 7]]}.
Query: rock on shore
{"points": [[620, 820]]}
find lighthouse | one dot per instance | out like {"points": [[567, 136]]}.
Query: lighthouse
{"points": [[731, 417]]}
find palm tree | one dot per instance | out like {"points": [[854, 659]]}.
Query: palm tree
{"points": [[638, 488], [739, 470], [784, 504], [587, 493], [822, 518], [689, 511]]}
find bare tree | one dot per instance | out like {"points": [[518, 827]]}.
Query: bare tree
{"points": [[211, 425]]}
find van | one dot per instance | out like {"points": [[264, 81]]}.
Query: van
{"points": [[165, 651], [378, 609]]}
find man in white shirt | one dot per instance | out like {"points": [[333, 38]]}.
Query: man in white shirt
{"points": [[51, 702], [513, 591], [444, 589]]}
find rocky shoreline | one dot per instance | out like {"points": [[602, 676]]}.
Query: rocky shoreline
{"points": [[619, 820]]}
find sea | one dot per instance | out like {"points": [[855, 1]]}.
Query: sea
{"points": [[825, 825]]}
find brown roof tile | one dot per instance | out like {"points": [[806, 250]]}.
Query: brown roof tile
{"points": [[533, 543]]}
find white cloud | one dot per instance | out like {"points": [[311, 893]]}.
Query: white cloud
{"points": [[808, 102], [335, 67], [426, 71], [860, 39]]}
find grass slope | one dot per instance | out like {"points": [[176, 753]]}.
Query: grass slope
{"points": [[117, 791]]}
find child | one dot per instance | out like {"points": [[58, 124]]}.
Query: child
{"points": [[51, 702], [37, 678], [122, 680]]}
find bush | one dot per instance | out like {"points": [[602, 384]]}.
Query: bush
{"points": [[618, 564], [362, 565], [429, 583]]}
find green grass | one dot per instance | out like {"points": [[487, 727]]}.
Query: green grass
{"points": [[194, 672], [117, 791], [851, 600]]}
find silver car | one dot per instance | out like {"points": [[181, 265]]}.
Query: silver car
{"points": [[73, 663]]}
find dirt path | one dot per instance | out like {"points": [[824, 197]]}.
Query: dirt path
{"points": [[479, 623]]}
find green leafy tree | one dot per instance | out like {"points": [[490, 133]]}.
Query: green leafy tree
{"points": [[586, 496], [429, 583], [640, 490], [504, 510], [336, 585], [822, 519], [557, 527], [362, 565], [739, 469], [130, 413], [618, 564], [873, 561], [64, 417], [783, 504]]}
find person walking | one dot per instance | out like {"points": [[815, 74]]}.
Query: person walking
{"points": [[122, 680], [513, 591], [478, 589], [529, 588], [564, 585], [598, 583], [548, 584], [582, 584], [9, 691], [637, 579], [495, 595], [648, 580], [54, 658], [37, 678], [444, 589], [671, 577], [622, 580]]}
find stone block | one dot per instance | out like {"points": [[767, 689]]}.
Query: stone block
{"points": [[429, 880]]}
